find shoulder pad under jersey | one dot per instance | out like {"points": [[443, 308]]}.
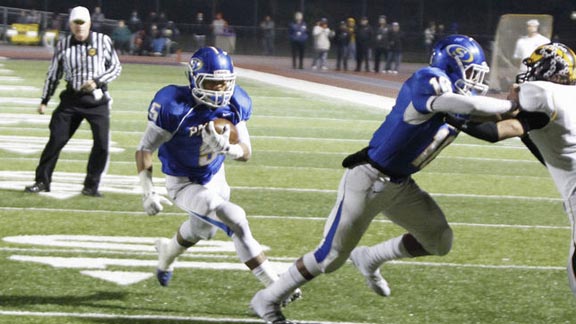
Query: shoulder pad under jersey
{"points": [[242, 103]]}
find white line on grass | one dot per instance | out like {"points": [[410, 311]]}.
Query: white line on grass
{"points": [[340, 154], [141, 214], [290, 138], [150, 317]]}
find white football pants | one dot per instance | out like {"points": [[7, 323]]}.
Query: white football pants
{"points": [[363, 193], [570, 208], [209, 209]]}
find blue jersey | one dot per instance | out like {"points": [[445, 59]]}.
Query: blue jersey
{"points": [[176, 111], [412, 135]]}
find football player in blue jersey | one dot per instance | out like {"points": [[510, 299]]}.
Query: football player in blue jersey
{"points": [[181, 128], [378, 178]]}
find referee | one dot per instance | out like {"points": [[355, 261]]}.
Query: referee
{"points": [[88, 62]]}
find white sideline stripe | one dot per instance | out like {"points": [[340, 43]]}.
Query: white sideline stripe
{"points": [[336, 93], [221, 320], [137, 213]]}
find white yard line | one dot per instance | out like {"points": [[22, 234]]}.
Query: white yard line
{"points": [[303, 218], [222, 320]]}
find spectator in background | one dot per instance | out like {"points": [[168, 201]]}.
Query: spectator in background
{"points": [[22, 18], [351, 24], [268, 33], [158, 41], [140, 44], [134, 23], [200, 30], [440, 33], [219, 25], [34, 17], [363, 39], [342, 42], [98, 20], [322, 35], [454, 28], [380, 43], [171, 33], [429, 36], [121, 36], [162, 21], [525, 45], [395, 39], [152, 19], [298, 37]]}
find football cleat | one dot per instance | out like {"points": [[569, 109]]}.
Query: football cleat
{"points": [[164, 268], [267, 310], [374, 279], [294, 296], [163, 277]]}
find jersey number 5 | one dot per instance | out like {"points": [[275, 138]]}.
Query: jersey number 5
{"points": [[153, 111]]}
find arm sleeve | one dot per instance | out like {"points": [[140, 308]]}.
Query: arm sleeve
{"points": [[153, 137], [460, 104], [55, 72], [487, 131], [243, 135], [532, 120], [113, 67]]}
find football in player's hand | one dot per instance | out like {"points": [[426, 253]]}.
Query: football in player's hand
{"points": [[220, 123]]}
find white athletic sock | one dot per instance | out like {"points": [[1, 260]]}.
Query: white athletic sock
{"points": [[265, 273], [286, 284], [172, 251], [389, 250]]}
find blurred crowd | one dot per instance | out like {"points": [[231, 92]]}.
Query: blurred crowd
{"points": [[356, 43]]}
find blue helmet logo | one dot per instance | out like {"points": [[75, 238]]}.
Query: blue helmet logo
{"points": [[461, 52]]}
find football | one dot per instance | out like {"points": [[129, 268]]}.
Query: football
{"points": [[220, 123]]}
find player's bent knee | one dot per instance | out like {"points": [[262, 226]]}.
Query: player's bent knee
{"points": [[444, 242]]}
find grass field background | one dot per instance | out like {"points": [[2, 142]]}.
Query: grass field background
{"points": [[507, 264]]}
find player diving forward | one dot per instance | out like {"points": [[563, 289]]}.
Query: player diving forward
{"points": [[546, 94], [378, 179], [181, 127]]}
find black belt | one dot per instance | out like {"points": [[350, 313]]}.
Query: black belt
{"points": [[361, 157]]}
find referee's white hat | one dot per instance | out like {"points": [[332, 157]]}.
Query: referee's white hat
{"points": [[80, 13]]}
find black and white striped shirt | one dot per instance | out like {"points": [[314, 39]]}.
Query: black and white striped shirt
{"points": [[94, 59]]}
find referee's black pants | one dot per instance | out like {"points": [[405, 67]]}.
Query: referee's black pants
{"points": [[65, 120]]}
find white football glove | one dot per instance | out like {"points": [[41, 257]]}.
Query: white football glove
{"points": [[219, 143], [151, 201]]}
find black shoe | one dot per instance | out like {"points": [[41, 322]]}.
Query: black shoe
{"points": [[92, 192], [37, 187]]}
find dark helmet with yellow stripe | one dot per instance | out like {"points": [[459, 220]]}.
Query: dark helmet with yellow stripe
{"points": [[554, 62]]}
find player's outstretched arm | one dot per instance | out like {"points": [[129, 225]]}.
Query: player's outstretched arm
{"points": [[470, 105]]}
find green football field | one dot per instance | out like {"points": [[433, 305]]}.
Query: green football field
{"points": [[66, 258]]}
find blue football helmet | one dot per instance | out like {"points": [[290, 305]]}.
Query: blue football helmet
{"points": [[207, 66], [463, 60]]}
